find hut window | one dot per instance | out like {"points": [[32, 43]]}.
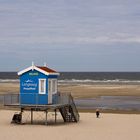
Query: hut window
{"points": [[42, 86]]}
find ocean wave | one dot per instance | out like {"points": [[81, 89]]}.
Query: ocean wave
{"points": [[9, 80], [67, 81], [98, 81]]}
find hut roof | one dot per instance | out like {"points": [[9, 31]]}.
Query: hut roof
{"points": [[45, 70]]}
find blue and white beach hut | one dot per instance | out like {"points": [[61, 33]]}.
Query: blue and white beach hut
{"points": [[38, 92], [38, 85]]}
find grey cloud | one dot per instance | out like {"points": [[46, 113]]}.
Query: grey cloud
{"points": [[46, 29]]}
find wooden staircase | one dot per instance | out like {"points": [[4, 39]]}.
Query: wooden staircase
{"points": [[69, 112]]}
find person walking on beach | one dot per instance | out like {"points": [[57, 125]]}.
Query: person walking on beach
{"points": [[97, 113]]}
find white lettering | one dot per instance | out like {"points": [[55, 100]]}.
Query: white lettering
{"points": [[29, 88], [29, 85]]}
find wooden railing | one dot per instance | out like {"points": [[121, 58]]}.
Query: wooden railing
{"points": [[9, 99], [68, 100]]}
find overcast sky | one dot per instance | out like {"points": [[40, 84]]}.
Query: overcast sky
{"points": [[70, 35]]}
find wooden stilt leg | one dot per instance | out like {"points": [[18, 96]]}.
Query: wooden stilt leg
{"points": [[55, 115], [31, 116], [46, 117], [21, 114]]}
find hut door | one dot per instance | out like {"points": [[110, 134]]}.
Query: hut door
{"points": [[49, 91]]}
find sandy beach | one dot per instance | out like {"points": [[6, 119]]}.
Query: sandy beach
{"points": [[107, 127], [10, 87], [84, 90], [90, 91]]}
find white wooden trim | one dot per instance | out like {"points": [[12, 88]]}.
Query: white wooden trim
{"points": [[38, 69], [42, 71], [54, 85], [40, 86], [25, 70], [49, 91]]}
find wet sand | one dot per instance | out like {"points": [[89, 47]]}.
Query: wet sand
{"points": [[84, 91], [96, 90], [88, 91], [6, 88]]}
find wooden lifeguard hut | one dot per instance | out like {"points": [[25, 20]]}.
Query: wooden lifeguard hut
{"points": [[38, 85], [38, 92]]}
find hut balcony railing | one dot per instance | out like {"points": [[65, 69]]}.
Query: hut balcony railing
{"points": [[61, 98], [6, 99]]}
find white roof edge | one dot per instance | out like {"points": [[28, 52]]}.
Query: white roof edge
{"points": [[25, 70], [38, 69]]}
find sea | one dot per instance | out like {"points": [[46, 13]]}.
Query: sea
{"points": [[84, 77], [103, 102]]}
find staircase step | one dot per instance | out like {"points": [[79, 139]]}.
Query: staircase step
{"points": [[69, 112]]}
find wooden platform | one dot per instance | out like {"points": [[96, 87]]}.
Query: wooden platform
{"points": [[36, 107], [65, 106]]}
